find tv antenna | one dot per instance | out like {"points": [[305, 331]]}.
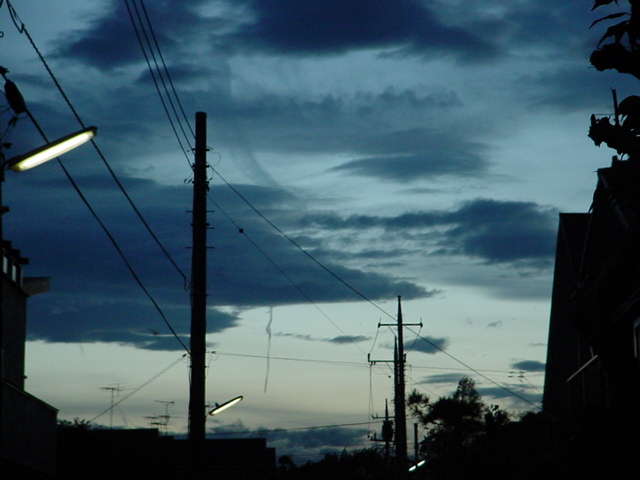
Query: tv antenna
{"points": [[114, 390]]}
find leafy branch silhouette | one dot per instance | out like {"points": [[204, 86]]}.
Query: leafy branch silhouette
{"points": [[619, 49]]}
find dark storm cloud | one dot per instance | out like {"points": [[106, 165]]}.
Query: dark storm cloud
{"points": [[126, 321], [466, 31], [426, 344], [93, 296], [357, 125], [109, 41], [504, 231], [494, 230], [342, 339], [291, 27], [409, 168], [529, 366]]}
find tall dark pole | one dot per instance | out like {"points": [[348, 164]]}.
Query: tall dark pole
{"points": [[416, 445], [401, 416], [198, 297]]}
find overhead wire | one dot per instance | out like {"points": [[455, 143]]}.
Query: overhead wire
{"points": [[359, 293], [477, 372], [22, 28], [242, 231], [136, 390], [342, 363], [166, 70], [298, 246], [141, 42], [110, 236], [346, 363]]}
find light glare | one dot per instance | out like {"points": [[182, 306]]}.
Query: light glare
{"points": [[224, 406], [53, 150]]}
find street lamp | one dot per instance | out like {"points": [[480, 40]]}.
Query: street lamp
{"points": [[51, 150], [41, 155], [222, 407], [417, 465]]}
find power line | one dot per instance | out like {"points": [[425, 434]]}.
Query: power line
{"points": [[299, 247], [21, 27], [347, 363], [166, 70], [141, 42], [342, 363], [109, 235], [242, 231], [469, 367], [358, 292], [129, 395]]}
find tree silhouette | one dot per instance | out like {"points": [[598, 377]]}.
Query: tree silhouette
{"points": [[453, 425]]}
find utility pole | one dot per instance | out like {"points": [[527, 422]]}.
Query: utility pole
{"points": [[387, 431], [400, 416], [198, 298], [416, 445]]}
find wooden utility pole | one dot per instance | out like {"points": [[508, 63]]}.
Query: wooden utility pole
{"points": [[198, 298], [387, 431], [400, 416], [416, 445]]}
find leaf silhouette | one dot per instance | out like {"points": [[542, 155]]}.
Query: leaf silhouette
{"points": [[600, 3], [617, 31], [608, 17]]}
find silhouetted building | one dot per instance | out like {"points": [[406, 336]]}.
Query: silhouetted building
{"points": [[569, 390], [27, 424], [593, 356], [143, 453]]}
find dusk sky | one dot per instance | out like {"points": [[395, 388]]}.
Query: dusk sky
{"points": [[415, 148]]}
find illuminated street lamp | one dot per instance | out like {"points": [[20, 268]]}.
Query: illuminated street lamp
{"points": [[225, 405], [50, 150], [41, 155]]}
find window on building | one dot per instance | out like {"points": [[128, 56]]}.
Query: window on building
{"points": [[636, 338]]}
